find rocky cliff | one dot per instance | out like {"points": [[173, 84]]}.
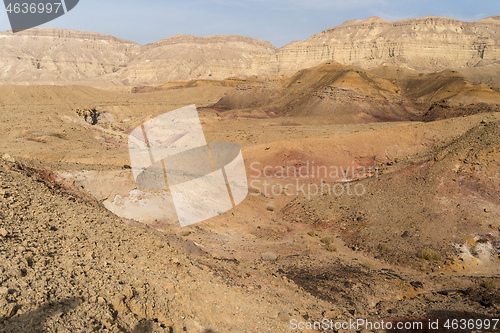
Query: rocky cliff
{"points": [[185, 57], [424, 44], [46, 56]]}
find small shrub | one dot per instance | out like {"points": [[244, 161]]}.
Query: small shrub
{"points": [[489, 285], [429, 255], [383, 248], [331, 248], [327, 240], [314, 232], [367, 265], [269, 256]]}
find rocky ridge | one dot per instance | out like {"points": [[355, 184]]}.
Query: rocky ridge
{"points": [[60, 56], [185, 57], [424, 44]]}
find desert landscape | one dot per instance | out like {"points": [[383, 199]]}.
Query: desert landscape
{"points": [[372, 153]]}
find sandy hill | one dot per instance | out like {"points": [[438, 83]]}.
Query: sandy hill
{"points": [[421, 243], [337, 93], [332, 92], [41, 118], [427, 44], [440, 199]]}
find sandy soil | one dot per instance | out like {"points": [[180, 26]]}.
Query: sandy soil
{"points": [[420, 243]]}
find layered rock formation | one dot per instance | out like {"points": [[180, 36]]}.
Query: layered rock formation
{"points": [[424, 44], [346, 94], [185, 57], [46, 56]]}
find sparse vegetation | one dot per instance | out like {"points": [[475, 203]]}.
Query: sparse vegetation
{"points": [[314, 232], [327, 240], [490, 285], [429, 255], [368, 265], [331, 248], [383, 248]]}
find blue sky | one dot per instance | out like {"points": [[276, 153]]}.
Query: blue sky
{"points": [[277, 21]]}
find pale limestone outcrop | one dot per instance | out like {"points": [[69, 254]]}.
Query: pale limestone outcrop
{"points": [[185, 57], [47, 56], [424, 44]]}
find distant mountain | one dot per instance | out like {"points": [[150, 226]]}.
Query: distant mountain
{"points": [[47, 56], [427, 44], [185, 57], [424, 44], [61, 56], [346, 94]]}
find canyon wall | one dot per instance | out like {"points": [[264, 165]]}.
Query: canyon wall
{"points": [[425, 44]]}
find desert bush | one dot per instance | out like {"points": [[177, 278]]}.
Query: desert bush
{"points": [[314, 232], [383, 248], [490, 285], [368, 265], [327, 240], [429, 255], [331, 248]]}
